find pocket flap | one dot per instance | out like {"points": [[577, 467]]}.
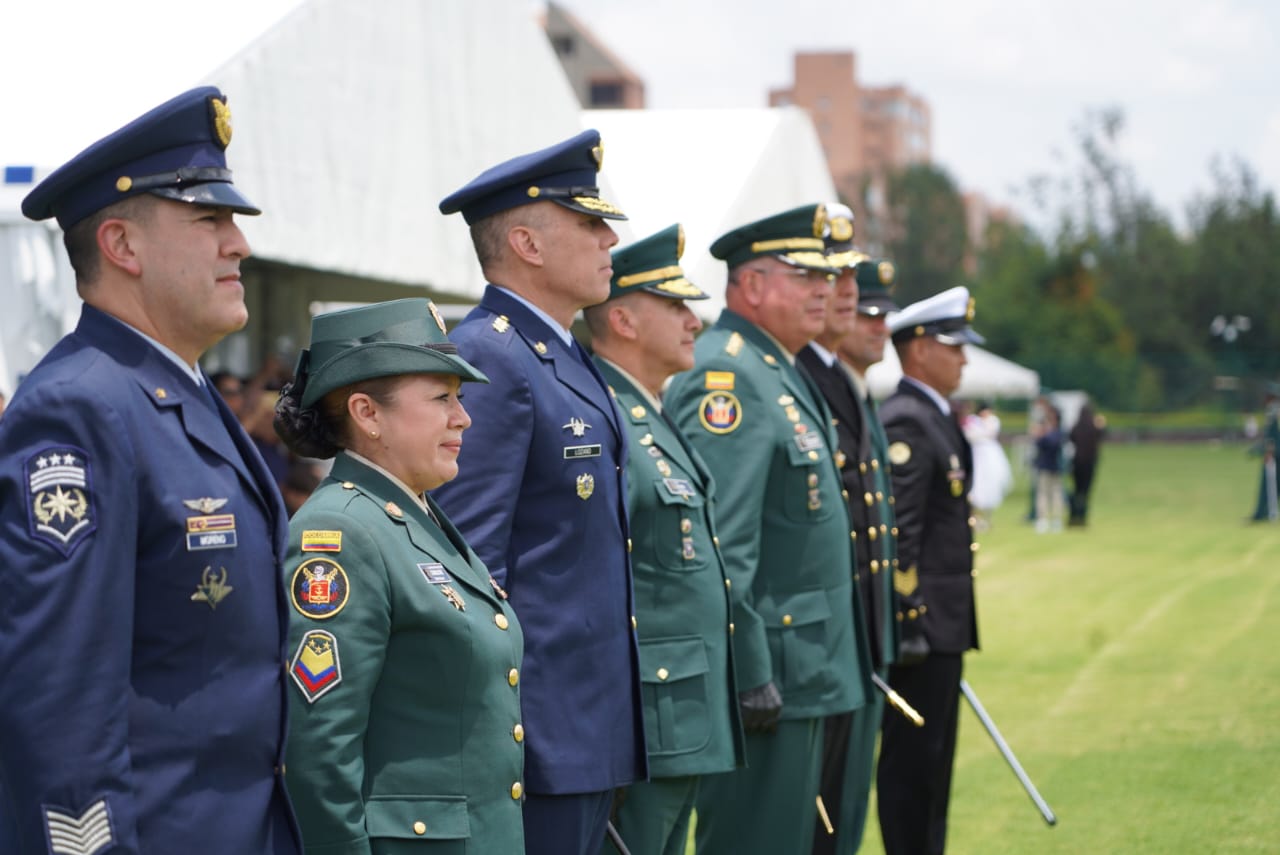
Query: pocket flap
{"points": [[417, 817], [798, 609], [666, 660]]}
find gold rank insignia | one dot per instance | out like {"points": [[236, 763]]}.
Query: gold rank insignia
{"points": [[393, 509], [540, 347], [734, 345], [899, 453], [316, 668], [454, 598], [586, 486], [769, 359], [720, 412], [501, 324], [906, 581], [664, 468], [647, 439], [785, 400], [637, 412], [213, 587]]}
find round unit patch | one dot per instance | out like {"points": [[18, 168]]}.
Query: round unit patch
{"points": [[319, 588], [720, 412]]}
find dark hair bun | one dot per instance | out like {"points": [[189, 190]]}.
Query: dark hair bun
{"points": [[303, 430]]}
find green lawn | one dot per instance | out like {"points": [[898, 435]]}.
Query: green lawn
{"points": [[1133, 666]]}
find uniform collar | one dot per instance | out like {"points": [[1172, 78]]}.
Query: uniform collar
{"points": [[564, 334], [654, 401], [931, 393], [417, 497]]}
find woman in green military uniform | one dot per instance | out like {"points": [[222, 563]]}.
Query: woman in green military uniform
{"points": [[405, 735]]}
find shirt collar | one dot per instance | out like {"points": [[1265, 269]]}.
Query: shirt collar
{"points": [[417, 497], [654, 401], [192, 371], [564, 334], [825, 355], [932, 393]]}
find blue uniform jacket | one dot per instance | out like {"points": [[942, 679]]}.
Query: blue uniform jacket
{"points": [[540, 496], [142, 620]]}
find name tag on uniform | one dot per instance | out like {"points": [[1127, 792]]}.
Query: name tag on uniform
{"points": [[573, 452], [435, 573], [678, 487], [809, 441], [215, 531]]}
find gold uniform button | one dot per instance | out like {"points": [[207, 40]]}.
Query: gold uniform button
{"points": [[161, 393], [513, 676], [716, 541], [862, 467], [884, 529], [663, 673], [517, 733], [974, 547], [786, 620], [973, 573], [517, 790], [973, 522], [419, 827], [348, 485], [813, 455], [869, 499], [891, 502], [913, 614], [845, 494], [895, 531], [728, 584], [501, 620], [871, 532], [633, 621], [628, 544], [875, 566], [879, 496], [731, 628], [853, 535], [875, 464]]}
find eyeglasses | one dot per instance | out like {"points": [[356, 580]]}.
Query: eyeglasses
{"points": [[813, 277]]}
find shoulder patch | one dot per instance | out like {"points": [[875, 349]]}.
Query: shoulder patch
{"points": [[93, 826], [319, 588], [719, 380], [316, 668], [60, 497], [899, 453], [734, 345], [321, 541], [720, 412]]}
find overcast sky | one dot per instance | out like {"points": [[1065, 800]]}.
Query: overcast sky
{"points": [[1007, 80]]}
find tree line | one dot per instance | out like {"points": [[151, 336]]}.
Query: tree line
{"points": [[1107, 293]]}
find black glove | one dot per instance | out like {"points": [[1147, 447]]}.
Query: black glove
{"points": [[914, 647], [761, 707]]}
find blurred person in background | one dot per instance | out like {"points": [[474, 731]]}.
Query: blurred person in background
{"points": [[992, 475], [1047, 465], [1086, 440]]}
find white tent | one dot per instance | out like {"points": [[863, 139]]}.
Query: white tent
{"points": [[985, 376], [39, 288], [711, 171], [352, 121]]}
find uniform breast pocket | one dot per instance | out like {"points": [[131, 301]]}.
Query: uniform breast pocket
{"points": [[674, 673], [443, 820], [681, 540], [797, 631], [807, 496]]}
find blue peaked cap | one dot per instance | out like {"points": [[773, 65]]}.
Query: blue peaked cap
{"points": [[564, 173], [177, 151]]}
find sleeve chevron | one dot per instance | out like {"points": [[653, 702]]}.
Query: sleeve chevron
{"points": [[86, 834]]}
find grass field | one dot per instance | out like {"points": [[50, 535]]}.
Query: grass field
{"points": [[1134, 667]]}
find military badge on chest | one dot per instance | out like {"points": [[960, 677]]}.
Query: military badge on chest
{"points": [[319, 588], [955, 475], [59, 497], [213, 587], [578, 429], [435, 573]]}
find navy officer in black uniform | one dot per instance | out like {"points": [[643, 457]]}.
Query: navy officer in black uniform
{"points": [[931, 472], [142, 626]]}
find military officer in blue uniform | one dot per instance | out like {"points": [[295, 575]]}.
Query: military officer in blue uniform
{"points": [[405, 728], [642, 335], [542, 490], [765, 433], [142, 627], [932, 472], [850, 738]]}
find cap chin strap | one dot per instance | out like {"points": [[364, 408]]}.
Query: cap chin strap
{"points": [[176, 178]]}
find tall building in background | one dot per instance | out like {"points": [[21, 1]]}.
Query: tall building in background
{"points": [[866, 131], [598, 77]]}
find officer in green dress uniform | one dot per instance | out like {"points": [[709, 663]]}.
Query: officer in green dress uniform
{"points": [[405, 727], [932, 466], [850, 738], [784, 531], [642, 335]]}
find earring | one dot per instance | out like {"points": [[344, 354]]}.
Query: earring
{"points": [[373, 434]]}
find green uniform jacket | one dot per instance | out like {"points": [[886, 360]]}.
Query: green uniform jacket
{"points": [[405, 731], [784, 529], [681, 595]]}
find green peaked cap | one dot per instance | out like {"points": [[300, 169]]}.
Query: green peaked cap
{"points": [[875, 286], [378, 340], [653, 265], [793, 237]]}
